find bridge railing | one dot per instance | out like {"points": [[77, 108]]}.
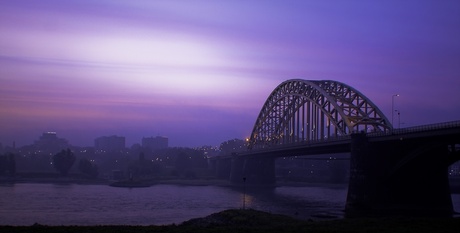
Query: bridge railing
{"points": [[301, 143], [415, 129]]}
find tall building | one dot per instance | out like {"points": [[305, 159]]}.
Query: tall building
{"points": [[155, 143], [50, 142], [109, 143]]}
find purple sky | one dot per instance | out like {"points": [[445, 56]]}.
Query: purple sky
{"points": [[199, 72]]}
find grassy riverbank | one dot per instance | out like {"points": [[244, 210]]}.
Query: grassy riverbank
{"points": [[256, 221]]}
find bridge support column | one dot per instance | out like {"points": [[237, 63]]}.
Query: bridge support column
{"points": [[260, 171], [223, 168], [398, 177], [237, 170]]}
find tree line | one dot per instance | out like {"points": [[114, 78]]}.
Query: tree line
{"points": [[62, 162]]}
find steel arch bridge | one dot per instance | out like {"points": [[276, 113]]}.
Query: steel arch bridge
{"points": [[313, 110]]}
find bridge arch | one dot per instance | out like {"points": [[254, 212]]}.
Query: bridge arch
{"points": [[311, 110]]}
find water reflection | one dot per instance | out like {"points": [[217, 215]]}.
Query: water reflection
{"points": [[51, 204]]}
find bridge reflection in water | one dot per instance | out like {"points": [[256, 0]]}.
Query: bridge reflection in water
{"points": [[392, 171]]}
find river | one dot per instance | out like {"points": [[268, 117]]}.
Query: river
{"points": [[24, 204]]}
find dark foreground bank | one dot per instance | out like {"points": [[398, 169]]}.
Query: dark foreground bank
{"points": [[256, 221]]}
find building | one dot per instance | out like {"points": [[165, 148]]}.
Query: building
{"points": [[109, 143], [50, 142], [155, 143]]}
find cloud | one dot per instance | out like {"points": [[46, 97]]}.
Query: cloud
{"points": [[128, 64]]}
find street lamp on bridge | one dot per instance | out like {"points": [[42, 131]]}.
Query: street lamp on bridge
{"points": [[393, 107], [399, 118]]}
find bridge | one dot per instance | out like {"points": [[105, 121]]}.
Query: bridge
{"points": [[392, 171]]}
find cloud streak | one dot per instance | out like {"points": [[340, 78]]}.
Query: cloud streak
{"points": [[202, 70]]}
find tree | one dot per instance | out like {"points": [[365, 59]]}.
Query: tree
{"points": [[63, 161], [232, 146], [8, 164], [87, 168], [11, 164], [182, 162]]}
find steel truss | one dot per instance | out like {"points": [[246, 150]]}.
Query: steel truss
{"points": [[310, 110]]}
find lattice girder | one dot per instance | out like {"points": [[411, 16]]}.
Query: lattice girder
{"points": [[305, 110]]}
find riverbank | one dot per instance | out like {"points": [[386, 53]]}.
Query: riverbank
{"points": [[257, 221], [73, 180], [171, 181], [55, 179]]}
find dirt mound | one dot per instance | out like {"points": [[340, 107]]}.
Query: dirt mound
{"points": [[238, 217]]}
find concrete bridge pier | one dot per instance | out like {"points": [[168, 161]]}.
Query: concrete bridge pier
{"points": [[237, 170], [398, 177], [260, 171], [222, 168]]}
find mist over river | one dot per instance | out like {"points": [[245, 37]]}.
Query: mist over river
{"points": [[24, 204]]}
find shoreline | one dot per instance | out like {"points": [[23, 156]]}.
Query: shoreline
{"points": [[248, 220], [167, 181], [181, 182]]}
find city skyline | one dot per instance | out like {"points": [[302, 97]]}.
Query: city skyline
{"points": [[199, 72], [103, 142]]}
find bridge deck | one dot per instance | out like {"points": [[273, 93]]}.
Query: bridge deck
{"points": [[342, 144]]}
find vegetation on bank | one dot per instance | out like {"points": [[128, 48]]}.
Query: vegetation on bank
{"points": [[257, 221]]}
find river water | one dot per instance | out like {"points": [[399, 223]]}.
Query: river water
{"points": [[73, 204]]}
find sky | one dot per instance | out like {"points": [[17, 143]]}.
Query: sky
{"points": [[198, 72]]}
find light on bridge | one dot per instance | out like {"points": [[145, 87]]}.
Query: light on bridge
{"points": [[392, 106]]}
